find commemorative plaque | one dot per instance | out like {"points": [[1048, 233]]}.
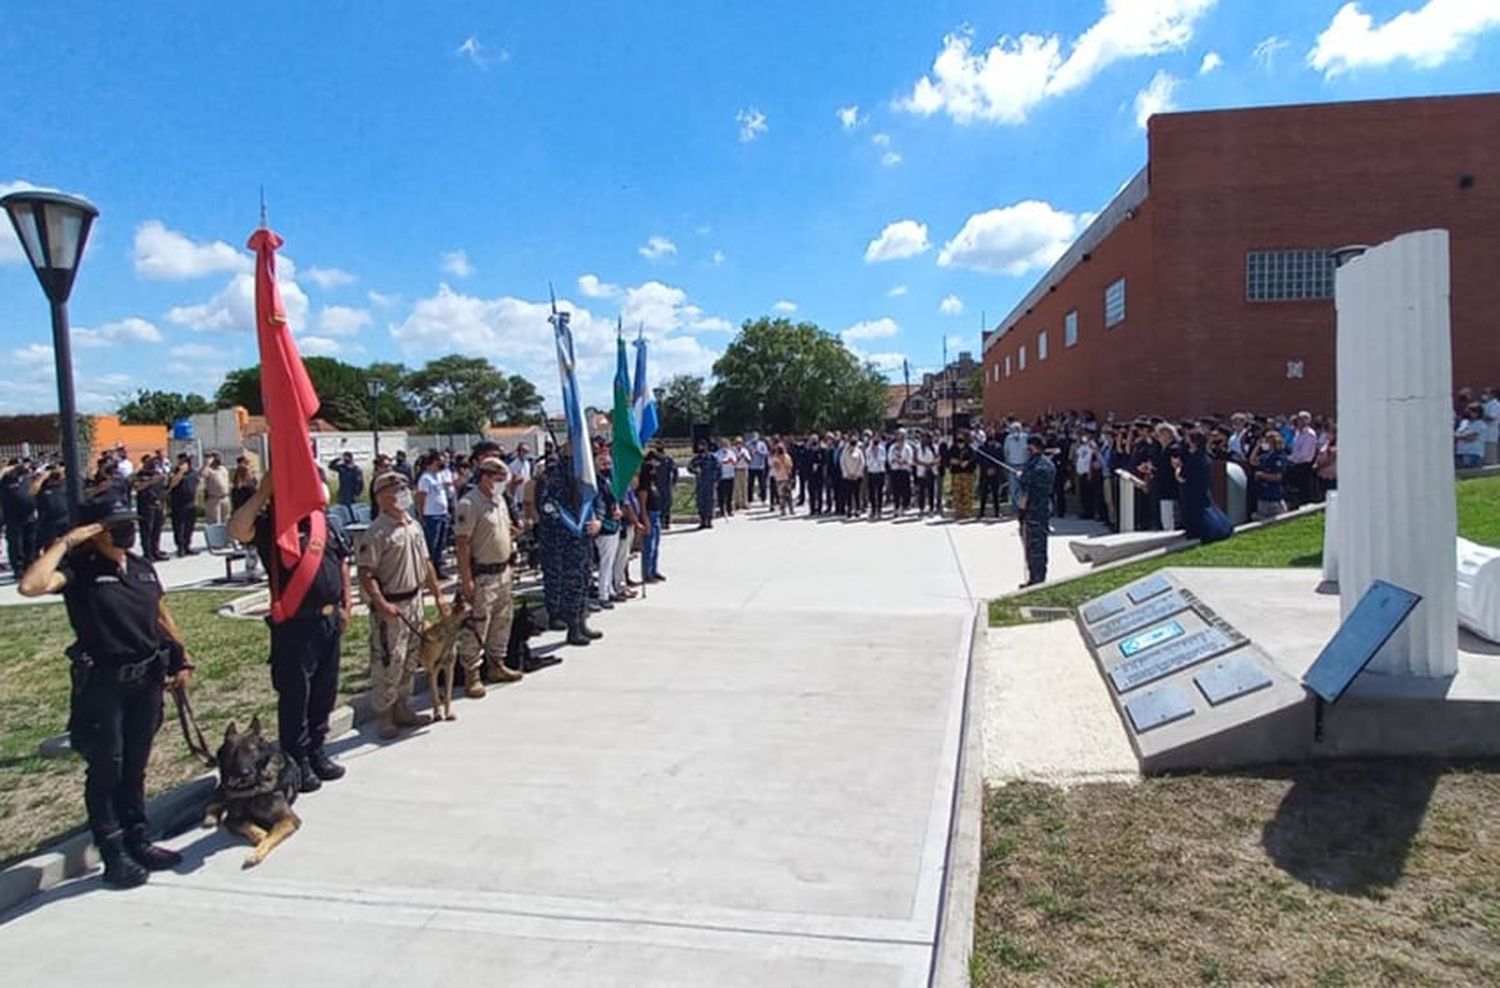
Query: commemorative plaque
{"points": [[1136, 644], [1367, 628], [1153, 586], [1169, 658], [1144, 616], [1232, 678], [1102, 608], [1158, 707]]}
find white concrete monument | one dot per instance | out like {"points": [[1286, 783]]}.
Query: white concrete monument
{"points": [[1396, 488]]}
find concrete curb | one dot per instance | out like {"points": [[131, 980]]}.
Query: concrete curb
{"points": [[954, 943], [73, 855]]}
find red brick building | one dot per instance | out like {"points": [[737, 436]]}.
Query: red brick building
{"points": [[1207, 285]]}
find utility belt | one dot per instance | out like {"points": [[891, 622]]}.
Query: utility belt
{"points": [[490, 569], [86, 668], [401, 598]]}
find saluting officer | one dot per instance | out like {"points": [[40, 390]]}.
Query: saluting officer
{"points": [[1036, 481], [127, 646], [305, 645], [393, 568], [483, 534]]}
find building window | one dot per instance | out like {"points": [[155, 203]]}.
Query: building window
{"points": [[1070, 328], [1041, 345], [1007, 365], [1114, 304], [1021, 358], [1288, 275]]}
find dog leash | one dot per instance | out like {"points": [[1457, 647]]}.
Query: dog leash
{"points": [[191, 732]]}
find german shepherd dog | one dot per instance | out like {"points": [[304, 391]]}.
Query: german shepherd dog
{"points": [[257, 786], [438, 638]]}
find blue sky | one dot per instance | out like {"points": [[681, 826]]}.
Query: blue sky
{"points": [[891, 169]]}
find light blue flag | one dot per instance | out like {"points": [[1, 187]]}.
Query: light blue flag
{"points": [[578, 437], [642, 401]]}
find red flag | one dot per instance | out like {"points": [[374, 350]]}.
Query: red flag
{"points": [[290, 402]]}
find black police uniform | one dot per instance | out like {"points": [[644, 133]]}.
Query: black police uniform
{"points": [[148, 506], [51, 512], [184, 503], [20, 520], [305, 647], [120, 663]]}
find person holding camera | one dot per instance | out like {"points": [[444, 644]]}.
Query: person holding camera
{"points": [[128, 649]]}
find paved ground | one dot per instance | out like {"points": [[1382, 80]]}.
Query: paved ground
{"points": [[747, 782]]}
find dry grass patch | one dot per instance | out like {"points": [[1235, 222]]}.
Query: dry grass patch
{"points": [[1337, 874]]}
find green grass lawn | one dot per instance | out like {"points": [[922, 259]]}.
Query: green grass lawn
{"points": [[1293, 543], [40, 798]]}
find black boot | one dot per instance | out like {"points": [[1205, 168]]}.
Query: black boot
{"points": [[577, 635], [323, 767], [120, 870], [583, 623], [147, 854], [557, 624], [307, 780]]}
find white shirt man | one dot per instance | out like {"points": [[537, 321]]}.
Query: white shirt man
{"points": [[852, 462], [875, 456], [1492, 428], [727, 458], [1085, 456], [123, 467], [901, 455], [1016, 453]]}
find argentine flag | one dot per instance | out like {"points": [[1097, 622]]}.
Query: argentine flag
{"points": [[643, 405]]}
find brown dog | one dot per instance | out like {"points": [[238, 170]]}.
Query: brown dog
{"points": [[438, 638], [257, 787]]}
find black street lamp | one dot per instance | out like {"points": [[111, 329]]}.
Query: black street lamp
{"points": [[372, 388], [54, 228]]}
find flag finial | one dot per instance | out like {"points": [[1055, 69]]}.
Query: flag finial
{"points": [[263, 224]]}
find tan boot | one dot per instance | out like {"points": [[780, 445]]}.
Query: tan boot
{"points": [[473, 687], [406, 717], [499, 672], [388, 731]]}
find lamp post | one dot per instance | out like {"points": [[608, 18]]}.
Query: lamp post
{"points": [[372, 388], [53, 229]]}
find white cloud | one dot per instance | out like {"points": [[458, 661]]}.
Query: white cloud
{"points": [[33, 355], [326, 278], [1213, 60], [197, 351], [881, 140], [896, 291], [1426, 37], [888, 364], [1014, 239], [1005, 82], [232, 309], [457, 263], [381, 299], [904, 238], [342, 320], [664, 308], [871, 329], [167, 255], [656, 248], [752, 124], [1156, 97], [718, 258], [479, 54], [849, 117], [890, 158], [318, 346], [590, 286], [517, 330], [785, 306], [125, 331], [1267, 49], [951, 305]]}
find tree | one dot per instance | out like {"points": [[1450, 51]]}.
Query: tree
{"points": [[793, 378], [341, 388], [683, 403], [161, 407], [457, 393], [523, 403]]}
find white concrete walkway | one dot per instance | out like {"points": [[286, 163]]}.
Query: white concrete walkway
{"points": [[747, 782]]}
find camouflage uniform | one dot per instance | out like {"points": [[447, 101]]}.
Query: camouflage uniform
{"points": [[1036, 480]]}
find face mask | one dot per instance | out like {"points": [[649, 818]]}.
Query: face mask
{"points": [[1265, 447], [123, 535], [403, 500]]}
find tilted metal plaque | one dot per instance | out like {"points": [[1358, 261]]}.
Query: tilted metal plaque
{"points": [[1157, 707], [1136, 644], [1232, 678], [1103, 608], [1169, 658], [1153, 586], [1142, 617], [1364, 632]]}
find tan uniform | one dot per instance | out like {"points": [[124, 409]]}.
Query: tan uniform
{"points": [[395, 553], [215, 495], [485, 522]]}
